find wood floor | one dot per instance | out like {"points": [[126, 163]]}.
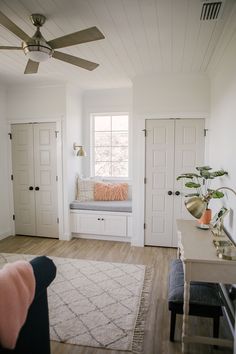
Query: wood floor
{"points": [[156, 339]]}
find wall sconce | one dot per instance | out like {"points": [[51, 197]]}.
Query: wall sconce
{"points": [[80, 150]]}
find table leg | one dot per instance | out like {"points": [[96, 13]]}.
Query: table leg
{"points": [[185, 315]]}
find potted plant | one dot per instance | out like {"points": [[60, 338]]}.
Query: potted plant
{"points": [[201, 182]]}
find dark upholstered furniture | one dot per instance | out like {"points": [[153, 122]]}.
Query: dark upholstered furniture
{"points": [[34, 335], [204, 298]]}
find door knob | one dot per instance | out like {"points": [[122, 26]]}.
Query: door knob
{"points": [[37, 188], [177, 193], [169, 193], [31, 188]]}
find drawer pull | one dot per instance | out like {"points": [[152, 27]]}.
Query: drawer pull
{"points": [[99, 219]]}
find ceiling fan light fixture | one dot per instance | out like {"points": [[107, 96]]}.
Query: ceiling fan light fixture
{"points": [[37, 48], [38, 53]]}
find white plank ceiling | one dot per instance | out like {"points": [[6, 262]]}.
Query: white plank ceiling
{"points": [[141, 37]]}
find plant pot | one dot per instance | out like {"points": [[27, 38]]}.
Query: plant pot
{"points": [[206, 217]]}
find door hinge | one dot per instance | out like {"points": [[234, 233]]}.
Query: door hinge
{"points": [[145, 180], [56, 133], [205, 131], [57, 178], [145, 132], [10, 136], [12, 177], [13, 217], [144, 226], [57, 220]]}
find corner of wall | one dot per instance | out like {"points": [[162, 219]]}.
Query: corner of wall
{"points": [[5, 222]]}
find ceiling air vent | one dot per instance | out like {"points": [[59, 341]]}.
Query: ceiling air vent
{"points": [[210, 10]]}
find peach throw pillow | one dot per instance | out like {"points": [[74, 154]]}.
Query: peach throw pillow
{"points": [[108, 191]]}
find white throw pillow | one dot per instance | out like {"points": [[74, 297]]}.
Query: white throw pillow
{"points": [[85, 189]]}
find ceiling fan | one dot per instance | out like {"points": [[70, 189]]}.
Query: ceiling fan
{"points": [[37, 49]]}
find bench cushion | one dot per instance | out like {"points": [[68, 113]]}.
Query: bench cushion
{"points": [[201, 293], [113, 206]]}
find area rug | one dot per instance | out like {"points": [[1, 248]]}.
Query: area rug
{"points": [[97, 304]]}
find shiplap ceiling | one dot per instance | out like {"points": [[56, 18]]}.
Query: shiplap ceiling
{"points": [[141, 37]]}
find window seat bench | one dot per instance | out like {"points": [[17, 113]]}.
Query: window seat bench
{"points": [[104, 220], [103, 205]]}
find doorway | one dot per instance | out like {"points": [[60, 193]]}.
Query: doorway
{"points": [[34, 166], [173, 146]]}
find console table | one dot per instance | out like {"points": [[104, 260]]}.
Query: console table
{"points": [[201, 263]]}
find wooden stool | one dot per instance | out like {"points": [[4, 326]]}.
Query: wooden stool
{"points": [[204, 299]]}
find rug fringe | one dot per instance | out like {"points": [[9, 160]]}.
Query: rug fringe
{"points": [[138, 336]]}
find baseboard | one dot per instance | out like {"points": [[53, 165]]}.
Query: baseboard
{"points": [[65, 237], [102, 237], [5, 234]]}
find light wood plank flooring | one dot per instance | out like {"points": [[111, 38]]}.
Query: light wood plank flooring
{"points": [[156, 340]]}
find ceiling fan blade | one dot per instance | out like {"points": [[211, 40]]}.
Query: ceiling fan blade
{"points": [[82, 63], [84, 36], [9, 47], [31, 67], [11, 26]]}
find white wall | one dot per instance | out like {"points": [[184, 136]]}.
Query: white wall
{"points": [[5, 217], [43, 102], [155, 97], [102, 101], [73, 133], [172, 95], [223, 129]]}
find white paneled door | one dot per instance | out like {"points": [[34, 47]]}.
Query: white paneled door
{"points": [[173, 146], [23, 178], [35, 179]]}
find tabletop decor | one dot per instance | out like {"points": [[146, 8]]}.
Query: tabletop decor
{"points": [[227, 252], [225, 247], [199, 200], [217, 222]]}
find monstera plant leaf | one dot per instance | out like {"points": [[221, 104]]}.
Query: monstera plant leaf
{"points": [[192, 185], [188, 175], [192, 195], [205, 172], [216, 194], [203, 168], [218, 173]]}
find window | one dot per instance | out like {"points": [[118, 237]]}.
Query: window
{"points": [[110, 153]]}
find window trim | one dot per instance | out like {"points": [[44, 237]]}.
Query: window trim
{"points": [[92, 145]]}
